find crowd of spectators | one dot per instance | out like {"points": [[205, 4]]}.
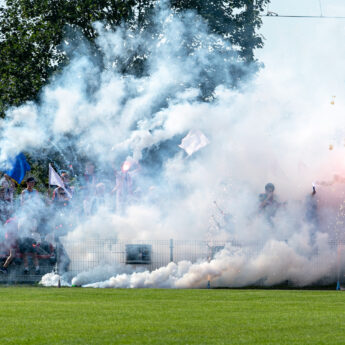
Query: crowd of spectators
{"points": [[28, 218]]}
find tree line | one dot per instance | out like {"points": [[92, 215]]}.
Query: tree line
{"points": [[33, 33]]}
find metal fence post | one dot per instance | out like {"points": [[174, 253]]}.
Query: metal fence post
{"points": [[171, 250], [57, 268]]}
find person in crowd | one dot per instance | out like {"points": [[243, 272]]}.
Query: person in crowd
{"points": [[63, 194], [29, 193], [3, 206], [8, 184], [62, 211], [60, 197], [311, 214], [11, 242], [67, 182], [311, 207], [99, 199], [89, 175], [7, 188], [268, 201], [125, 187], [88, 188], [30, 239]]}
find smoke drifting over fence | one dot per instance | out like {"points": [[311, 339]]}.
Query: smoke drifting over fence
{"points": [[260, 131]]}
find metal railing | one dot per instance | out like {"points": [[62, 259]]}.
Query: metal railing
{"points": [[150, 254]]}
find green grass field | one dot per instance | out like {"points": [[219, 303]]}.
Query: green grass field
{"points": [[34, 315]]}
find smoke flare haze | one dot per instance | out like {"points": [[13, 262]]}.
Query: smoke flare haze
{"points": [[274, 126]]}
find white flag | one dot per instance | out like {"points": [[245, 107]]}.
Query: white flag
{"points": [[194, 141], [55, 180]]}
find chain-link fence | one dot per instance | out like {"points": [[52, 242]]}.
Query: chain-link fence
{"points": [[146, 254], [150, 255], [77, 257]]}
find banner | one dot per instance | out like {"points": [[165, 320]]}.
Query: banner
{"points": [[194, 141], [19, 168], [56, 180]]}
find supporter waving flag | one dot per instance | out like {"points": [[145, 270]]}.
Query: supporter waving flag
{"points": [[56, 180]]}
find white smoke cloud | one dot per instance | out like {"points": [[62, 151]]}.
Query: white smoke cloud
{"points": [[275, 128], [53, 279], [100, 273], [232, 267]]}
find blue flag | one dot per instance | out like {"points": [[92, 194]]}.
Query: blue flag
{"points": [[19, 168]]}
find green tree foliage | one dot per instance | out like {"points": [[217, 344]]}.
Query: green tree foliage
{"points": [[235, 20], [32, 33], [36, 37]]}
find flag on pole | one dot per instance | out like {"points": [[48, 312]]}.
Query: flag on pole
{"points": [[56, 180], [194, 141], [19, 168]]}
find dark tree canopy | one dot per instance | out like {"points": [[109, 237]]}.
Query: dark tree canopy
{"points": [[32, 33], [236, 20]]}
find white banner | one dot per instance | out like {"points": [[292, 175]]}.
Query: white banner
{"points": [[55, 180], [194, 141]]}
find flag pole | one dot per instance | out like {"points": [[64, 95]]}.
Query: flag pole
{"points": [[55, 179], [49, 191]]}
